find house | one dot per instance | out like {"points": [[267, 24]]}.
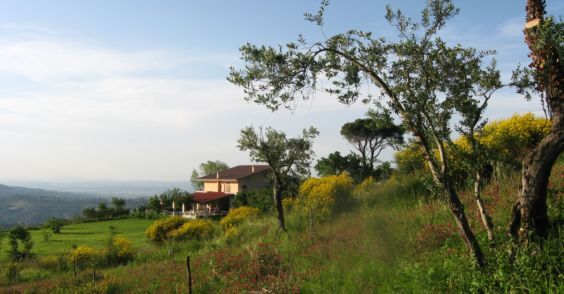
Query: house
{"points": [[221, 187]]}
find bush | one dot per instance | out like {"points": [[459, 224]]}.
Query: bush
{"points": [[55, 224], [194, 230], [237, 216], [322, 197], [410, 159], [120, 251], [512, 138], [160, 229], [261, 199], [86, 257], [53, 263]]}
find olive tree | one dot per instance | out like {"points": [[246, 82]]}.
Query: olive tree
{"points": [[287, 157], [421, 78], [544, 76]]}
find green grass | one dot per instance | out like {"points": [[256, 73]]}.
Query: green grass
{"points": [[398, 240], [93, 234]]}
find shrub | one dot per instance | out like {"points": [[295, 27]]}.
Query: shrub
{"points": [[194, 230], [410, 159], [513, 137], [261, 199], [120, 251], [238, 215], [86, 257], [161, 228], [55, 224], [17, 235], [321, 197], [53, 263]]}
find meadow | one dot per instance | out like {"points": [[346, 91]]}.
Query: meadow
{"points": [[396, 238]]}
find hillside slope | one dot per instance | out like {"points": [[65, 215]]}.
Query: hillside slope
{"points": [[19, 205]]}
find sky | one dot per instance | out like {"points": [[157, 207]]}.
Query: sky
{"points": [[137, 90]]}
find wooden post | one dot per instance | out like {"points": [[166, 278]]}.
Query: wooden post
{"points": [[189, 275], [74, 266]]}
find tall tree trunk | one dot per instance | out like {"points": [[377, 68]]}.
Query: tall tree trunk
{"points": [[457, 209], [443, 180], [486, 219], [277, 194], [530, 215]]}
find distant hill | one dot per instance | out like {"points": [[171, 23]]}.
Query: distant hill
{"points": [[105, 188], [27, 206]]}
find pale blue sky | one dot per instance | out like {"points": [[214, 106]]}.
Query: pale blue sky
{"points": [[136, 89]]}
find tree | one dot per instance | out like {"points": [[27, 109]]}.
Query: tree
{"points": [[545, 76], [475, 157], [423, 78], [287, 157], [206, 168], [55, 224], [369, 136], [17, 235], [118, 203], [335, 164]]}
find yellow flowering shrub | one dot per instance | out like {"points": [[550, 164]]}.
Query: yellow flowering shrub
{"points": [[238, 215], [504, 140], [323, 196], [514, 136], [86, 256], [123, 249], [193, 230], [161, 228], [289, 203]]}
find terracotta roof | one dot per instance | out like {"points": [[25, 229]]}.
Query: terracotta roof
{"points": [[237, 172], [206, 197]]}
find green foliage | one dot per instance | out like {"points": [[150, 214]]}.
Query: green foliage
{"points": [[371, 135], [54, 263], [163, 201], [288, 158], [237, 216], [261, 199], [16, 236], [194, 230], [335, 164], [322, 197], [55, 224], [206, 168], [161, 229], [46, 233], [410, 159], [117, 209]]}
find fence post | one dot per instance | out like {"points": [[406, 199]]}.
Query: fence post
{"points": [[189, 275]]}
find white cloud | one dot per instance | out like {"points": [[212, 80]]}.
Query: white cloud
{"points": [[81, 110]]}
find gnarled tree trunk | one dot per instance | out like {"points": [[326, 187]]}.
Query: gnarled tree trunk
{"points": [[530, 216]]}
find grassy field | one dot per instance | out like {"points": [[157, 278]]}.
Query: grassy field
{"points": [[398, 239], [93, 234]]}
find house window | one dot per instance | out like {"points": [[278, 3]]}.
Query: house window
{"points": [[227, 188]]}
